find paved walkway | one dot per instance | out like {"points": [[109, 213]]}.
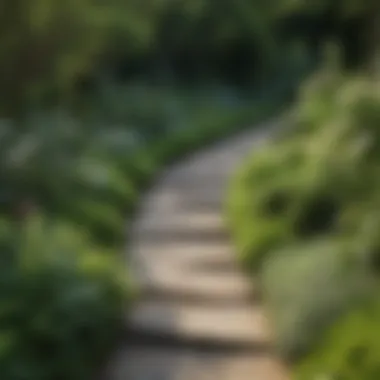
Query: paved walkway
{"points": [[198, 317]]}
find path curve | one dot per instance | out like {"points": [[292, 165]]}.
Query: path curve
{"points": [[198, 317]]}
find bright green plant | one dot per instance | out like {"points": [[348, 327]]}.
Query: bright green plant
{"points": [[303, 213]]}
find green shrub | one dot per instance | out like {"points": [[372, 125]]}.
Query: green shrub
{"points": [[349, 350], [303, 214], [308, 287], [61, 302], [102, 221]]}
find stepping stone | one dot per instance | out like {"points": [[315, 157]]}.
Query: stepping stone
{"points": [[196, 251], [214, 288], [179, 221], [182, 364], [171, 202], [187, 270], [234, 325], [161, 236]]}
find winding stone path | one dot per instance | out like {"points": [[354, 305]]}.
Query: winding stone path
{"points": [[198, 317]]}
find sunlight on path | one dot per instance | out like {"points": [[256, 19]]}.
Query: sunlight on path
{"points": [[199, 318]]}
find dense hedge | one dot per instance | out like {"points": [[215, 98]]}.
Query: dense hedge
{"points": [[304, 214]]}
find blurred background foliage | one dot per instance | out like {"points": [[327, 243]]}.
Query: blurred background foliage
{"points": [[97, 95], [52, 49], [303, 211]]}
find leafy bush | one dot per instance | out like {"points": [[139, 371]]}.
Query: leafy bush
{"points": [[310, 286], [67, 174], [349, 350], [61, 302], [303, 213]]}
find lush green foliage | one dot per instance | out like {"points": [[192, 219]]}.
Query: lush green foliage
{"points": [[350, 349], [61, 301], [80, 151], [63, 43], [75, 151], [68, 44], [303, 212], [62, 285]]}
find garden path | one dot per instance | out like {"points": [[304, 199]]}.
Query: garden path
{"points": [[199, 317]]}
